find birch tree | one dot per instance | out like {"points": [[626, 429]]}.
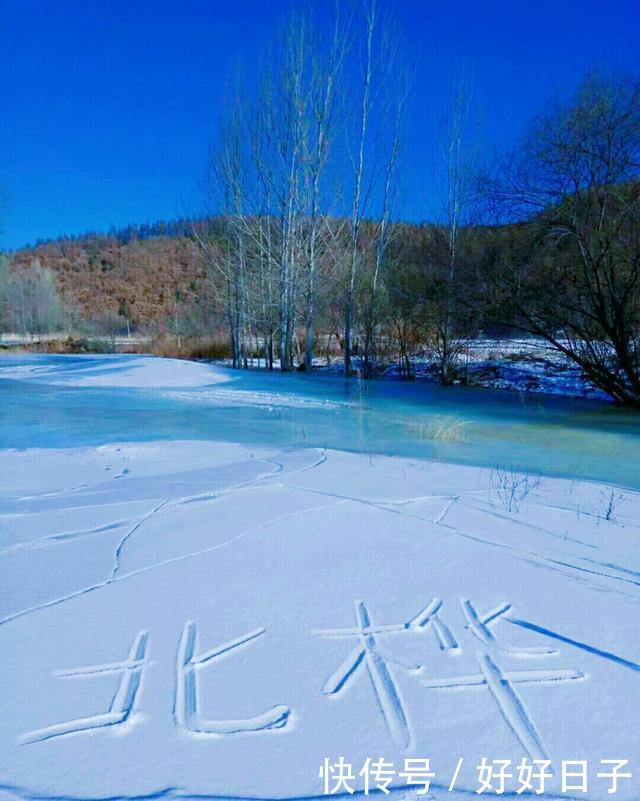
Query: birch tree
{"points": [[449, 291], [372, 304], [279, 144], [226, 253], [378, 41], [326, 71]]}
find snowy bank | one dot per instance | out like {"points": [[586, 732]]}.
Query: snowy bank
{"points": [[114, 371], [517, 364], [208, 619]]}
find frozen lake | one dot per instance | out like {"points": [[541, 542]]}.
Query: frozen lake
{"points": [[542, 434], [214, 586]]}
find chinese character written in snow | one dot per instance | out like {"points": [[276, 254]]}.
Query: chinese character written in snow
{"points": [[369, 656], [186, 707], [479, 624], [130, 671], [187, 714], [501, 683]]}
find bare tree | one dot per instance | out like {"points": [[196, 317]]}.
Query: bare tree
{"points": [[445, 307], [372, 304], [273, 169], [577, 274], [279, 139], [275, 207], [224, 245], [31, 300], [373, 164], [359, 200], [324, 86]]}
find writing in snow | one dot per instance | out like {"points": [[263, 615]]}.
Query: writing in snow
{"points": [[494, 776], [365, 659]]}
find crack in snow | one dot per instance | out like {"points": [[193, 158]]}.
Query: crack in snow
{"points": [[114, 579], [129, 534]]}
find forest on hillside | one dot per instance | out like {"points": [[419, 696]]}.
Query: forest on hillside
{"points": [[301, 255]]}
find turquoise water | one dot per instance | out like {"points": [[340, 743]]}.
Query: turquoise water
{"points": [[542, 434]]}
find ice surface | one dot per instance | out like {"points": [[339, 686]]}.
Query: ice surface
{"points": [[46, 407]]}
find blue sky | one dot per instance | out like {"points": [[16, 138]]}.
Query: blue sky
{"points": [[107, 108]]}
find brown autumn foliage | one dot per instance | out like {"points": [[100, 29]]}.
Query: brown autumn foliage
{"points": [[140, 281]]}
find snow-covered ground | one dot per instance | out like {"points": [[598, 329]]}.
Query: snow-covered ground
{"points": [[212, 619], [116, 371], [526, 364], [523, 364]]}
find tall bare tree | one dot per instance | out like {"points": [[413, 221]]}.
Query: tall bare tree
{"points": [[395, 103], [359, 199], [226, 251], [449, 290], [376, 45], [326, 70]]}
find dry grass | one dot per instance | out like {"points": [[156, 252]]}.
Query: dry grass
{"points": [[69, 344], [213, 347], [443, 428]]}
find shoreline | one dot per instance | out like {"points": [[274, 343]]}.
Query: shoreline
{"points": [[523, 365]]}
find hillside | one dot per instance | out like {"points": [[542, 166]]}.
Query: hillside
{"points": [[116, 280]]}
